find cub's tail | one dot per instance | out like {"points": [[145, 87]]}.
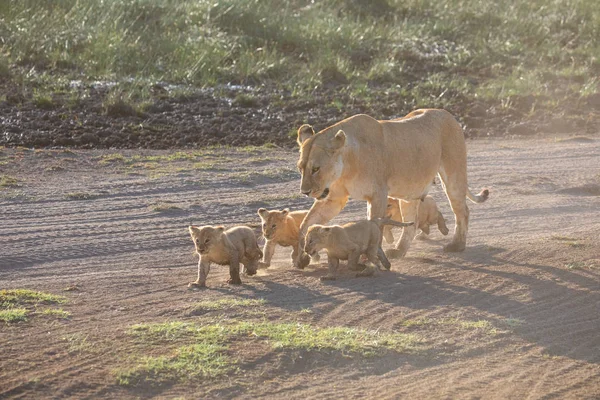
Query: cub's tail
{"points": [[478, 198]]}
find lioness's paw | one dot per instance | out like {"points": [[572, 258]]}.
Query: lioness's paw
{"points": [[395, 253], [366, 272], [263, 265], [303, 262], [454, 247], [196, 285], [233, 281], [357, 267]]}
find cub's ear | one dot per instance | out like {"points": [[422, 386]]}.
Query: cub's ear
{"points": [[192, 228], [285, 211], [262, 212], [338, 140], [304, 132], [220, 228], [326, 229]]}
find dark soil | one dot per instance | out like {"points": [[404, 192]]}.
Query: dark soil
{"points": [[231, 115]]}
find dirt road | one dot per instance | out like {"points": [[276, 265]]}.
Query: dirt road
{"points": [[517, 315]]}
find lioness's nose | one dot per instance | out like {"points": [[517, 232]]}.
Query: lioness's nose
{"points": [[306, 193]]}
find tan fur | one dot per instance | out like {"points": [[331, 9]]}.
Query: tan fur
{"points": [[370, 160], [428, 215], [349, 242], [230, 247], [280, 228]]}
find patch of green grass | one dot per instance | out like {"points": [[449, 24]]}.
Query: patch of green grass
{"points": [[223, 304], [306, 337], [482, 325], [564, 238], [8, 181], [43, 100], [590, 264], [13, 314], [514, 322], [15, 304], [207, 357], [245, 100], [13, 297], [200, 360]]}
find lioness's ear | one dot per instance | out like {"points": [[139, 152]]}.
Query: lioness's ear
{"points": [[220, 228], [263, 212], [304, 132], [285, 211], [327, 229], [339, 139]]}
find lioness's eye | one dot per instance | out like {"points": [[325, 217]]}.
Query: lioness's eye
{"points": [[273, 226], [389, 206], [206, 241], [315, 170]]}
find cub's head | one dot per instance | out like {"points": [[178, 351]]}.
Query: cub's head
{"points": [[205, 237], [316, 239], [393, 207], [272, 221], [320, 160]]}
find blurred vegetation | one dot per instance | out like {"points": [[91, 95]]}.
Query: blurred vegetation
{"points": [[435, 50]]}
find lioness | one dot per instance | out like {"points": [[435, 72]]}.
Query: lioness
{"points": [[371, 160], [428, 215], [280, 228], [348, 242], [225, 247]]}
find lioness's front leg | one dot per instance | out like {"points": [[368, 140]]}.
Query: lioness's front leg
{"points": [[321, 212], [376, 209], [410, 212], [203, 270], [268, 252]]}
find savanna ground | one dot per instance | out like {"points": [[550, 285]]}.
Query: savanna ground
{"points": [[94, 251], [514, 316]]}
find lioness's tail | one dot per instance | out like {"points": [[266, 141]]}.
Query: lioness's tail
{"points": [[389, 221], [478, 198]]}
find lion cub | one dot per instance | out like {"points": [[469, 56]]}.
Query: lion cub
{"points": [[428, 215], [348, 242], [225, 247], [281, 228]]}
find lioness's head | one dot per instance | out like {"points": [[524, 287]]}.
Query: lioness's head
{"points": [[316, 239], [205, 237], [320, 160], [272, 221], [393, 207]]}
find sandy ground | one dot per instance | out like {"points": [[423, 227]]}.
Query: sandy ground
{"points": [[111, 236]]}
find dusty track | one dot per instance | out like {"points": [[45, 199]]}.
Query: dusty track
{"points": [[531, 269]]}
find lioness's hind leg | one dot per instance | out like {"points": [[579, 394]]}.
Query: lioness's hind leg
{"points": [[456, 190]]}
